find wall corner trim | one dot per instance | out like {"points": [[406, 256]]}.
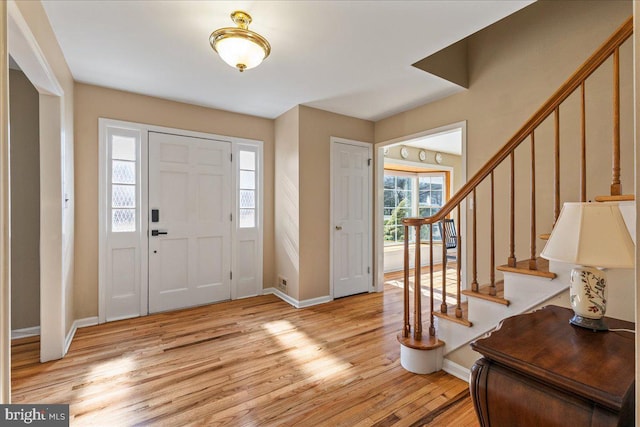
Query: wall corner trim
{"points": [[294, 302], [78, 323]]}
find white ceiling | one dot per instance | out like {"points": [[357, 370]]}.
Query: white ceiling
{"points": [[349, 57], [446, 142]]}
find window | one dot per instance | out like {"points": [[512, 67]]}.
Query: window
{"points": [[247, 189], [398, 196], [123, 184], [401, 191]]}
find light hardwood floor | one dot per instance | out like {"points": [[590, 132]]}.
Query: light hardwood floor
{"points": [[250, 362]]}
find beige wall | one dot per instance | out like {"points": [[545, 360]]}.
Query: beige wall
{"points": [[302, 155], [93, 102], [25, 202], [287, 202], [514, 66], [316, 129]]}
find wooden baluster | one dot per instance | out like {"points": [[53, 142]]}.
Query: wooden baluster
{"points": [[532, 261], [474, 282], [616, 187], [511, 261], [583, 146], [458, 264], [443, 305], [556, 187], [406, 330], [432, 326], [417, 291], [492, 269]]}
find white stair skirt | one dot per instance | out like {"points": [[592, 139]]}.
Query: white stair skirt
{"points": [[421, 361]]}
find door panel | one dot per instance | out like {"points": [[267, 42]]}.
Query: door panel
{"points": [[190, 185], [351, 253]]}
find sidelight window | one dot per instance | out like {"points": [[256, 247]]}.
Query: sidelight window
{"points": [[247, 189], [123, 183]]}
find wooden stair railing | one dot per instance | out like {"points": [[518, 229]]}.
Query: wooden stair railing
{"points": [[609, 48]]}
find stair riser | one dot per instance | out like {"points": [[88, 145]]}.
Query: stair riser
{"points": [[523, 291]]}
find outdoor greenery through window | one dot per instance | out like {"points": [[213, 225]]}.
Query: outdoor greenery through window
{"points": [[411, 195]]}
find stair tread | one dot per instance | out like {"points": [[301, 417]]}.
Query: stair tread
{"points": [[451, 314], [522, 267], [484, 293], [427, 342], [620, 198]]}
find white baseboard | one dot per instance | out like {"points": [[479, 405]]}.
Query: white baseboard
{"points": [[78, 323], [315, 301], [281, 295], [87, 321], [25, 332], [294, 302], [456, 370]]}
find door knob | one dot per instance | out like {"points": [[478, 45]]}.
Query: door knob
{"points": [[338, 227], [158, 232]]}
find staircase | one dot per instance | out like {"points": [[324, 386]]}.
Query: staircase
{"points": [[527, 283]]}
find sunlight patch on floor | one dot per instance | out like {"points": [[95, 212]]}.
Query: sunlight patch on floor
{"points": [[108, 372], [308, 354]]}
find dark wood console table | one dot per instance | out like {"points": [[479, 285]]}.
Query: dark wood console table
{"points": [[539, 370]]}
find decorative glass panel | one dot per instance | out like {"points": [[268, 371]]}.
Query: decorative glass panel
{"points": [[247, 199], [123, 148], [123, 172], [247, 193], [247, 160], [247, 218], [123, 196], [247, 180], [123, 220]]}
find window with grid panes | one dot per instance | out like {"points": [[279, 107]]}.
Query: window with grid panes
{"points": [[411, 195]]}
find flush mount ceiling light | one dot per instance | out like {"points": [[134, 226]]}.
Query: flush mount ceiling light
{"points": [[240, 47]]}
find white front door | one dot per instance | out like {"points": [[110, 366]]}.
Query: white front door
{"points": [[189, 221], [351, 218]]}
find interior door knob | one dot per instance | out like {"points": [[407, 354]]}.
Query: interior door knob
{"points": [[338, 227]]}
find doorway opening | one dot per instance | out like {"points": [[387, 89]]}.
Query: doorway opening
{"points": [[55, 188], [25, 204], [417, 175]]}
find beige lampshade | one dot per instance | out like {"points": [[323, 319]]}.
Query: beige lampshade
{"points": [[591, 234]]}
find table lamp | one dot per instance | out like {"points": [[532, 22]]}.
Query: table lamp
{"points": [[593, 236]]}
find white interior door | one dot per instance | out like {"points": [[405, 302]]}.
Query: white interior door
{"points": [[351, 218], [190, 235]]}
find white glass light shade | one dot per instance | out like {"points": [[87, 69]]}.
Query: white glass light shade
{"points": [[591, 234], [239, 47], [240, 52]]}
